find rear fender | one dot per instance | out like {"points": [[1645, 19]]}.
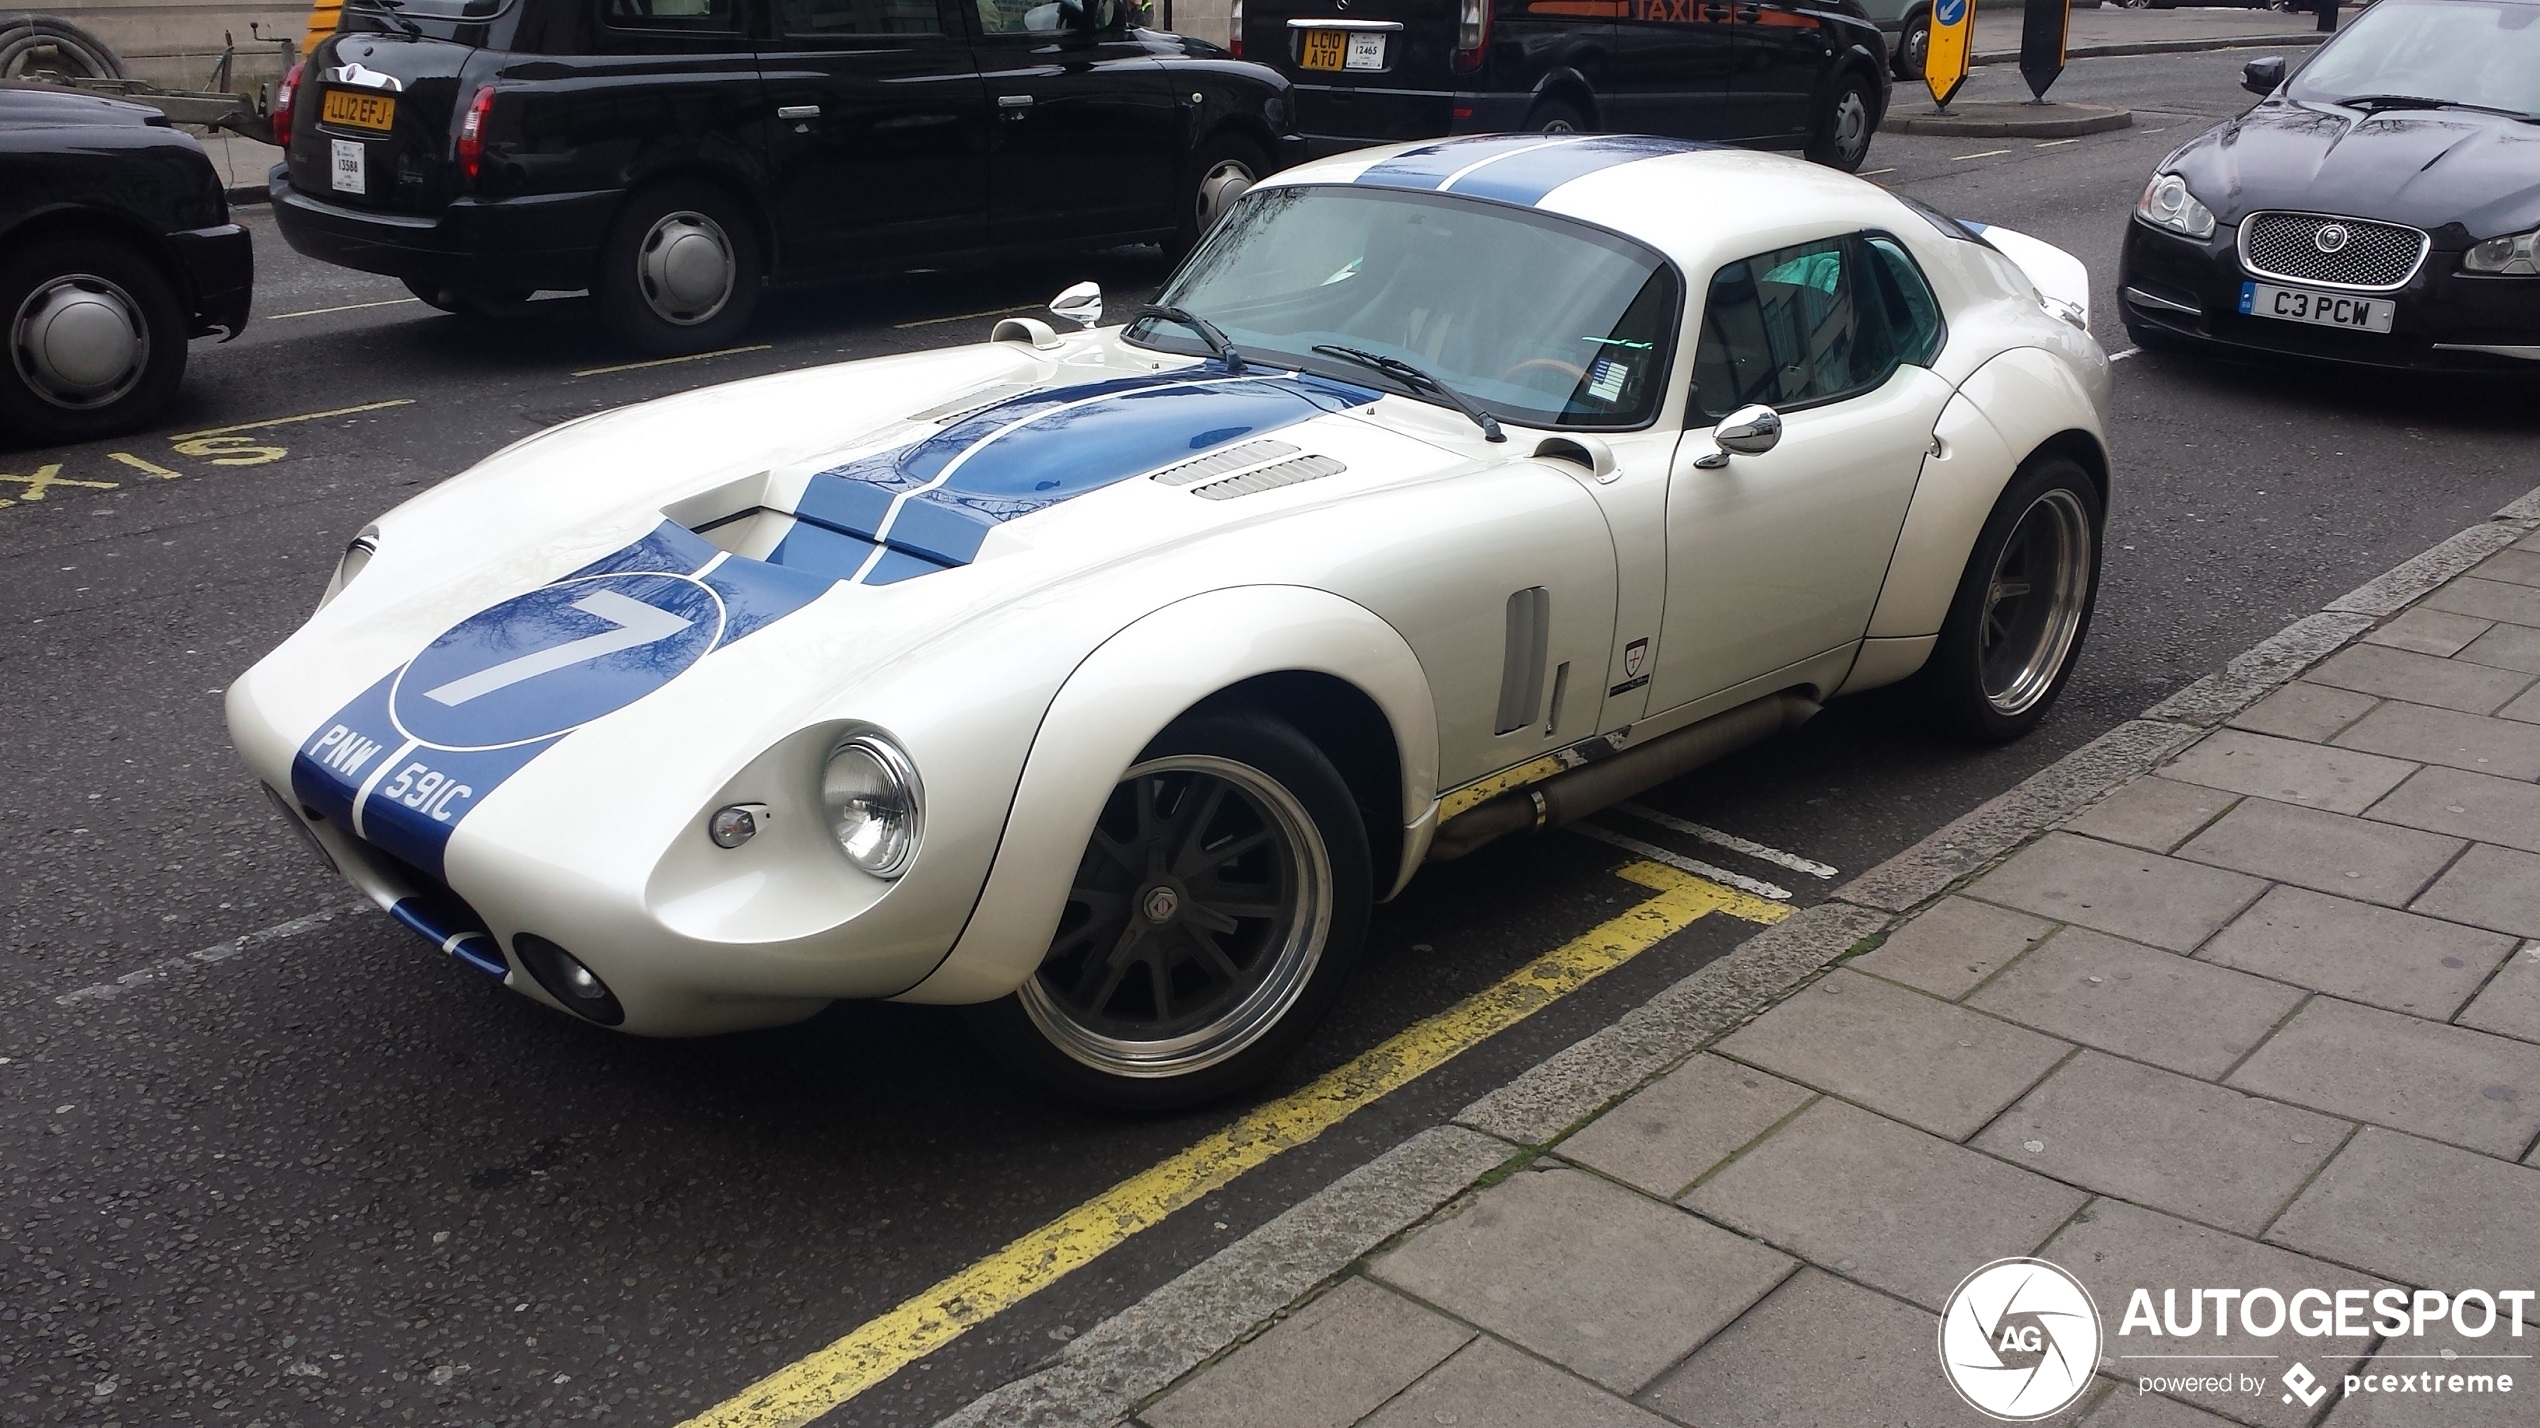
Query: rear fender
{"points": [[1119, 699]]}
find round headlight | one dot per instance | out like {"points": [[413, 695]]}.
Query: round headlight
{"points": [[871, 794]]}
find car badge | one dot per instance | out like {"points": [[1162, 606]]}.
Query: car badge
{"points": [[2331, 238], [363, 76], [1633, 655]]}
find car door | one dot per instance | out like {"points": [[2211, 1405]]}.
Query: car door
{"points": [[1089, 138], [878, 132], [1671, 68], [1777, 557], [1784, 52]]}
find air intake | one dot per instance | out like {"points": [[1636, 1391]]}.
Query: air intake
{"points": [[1270, 478], [1218, 463]]}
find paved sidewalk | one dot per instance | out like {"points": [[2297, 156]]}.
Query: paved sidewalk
{"points": [[2266, 1016], [1997, 38]]}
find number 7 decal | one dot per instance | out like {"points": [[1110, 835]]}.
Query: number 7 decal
{"points": [[636, 625]]}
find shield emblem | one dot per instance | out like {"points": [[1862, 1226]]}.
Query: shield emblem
{"points": [[1635, 655]]}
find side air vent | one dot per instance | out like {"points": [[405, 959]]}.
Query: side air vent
{"points": [[1218, 463], [977, 401], [1521, 667], [1270, 478]]}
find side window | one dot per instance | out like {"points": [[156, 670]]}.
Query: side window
{"points": [[1913, 313], [1043, 17], [1794, 327], [709, 16], [859, 17]]}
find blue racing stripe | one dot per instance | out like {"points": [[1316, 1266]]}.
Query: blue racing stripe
{"points": [[1527, 178], [1428, 166]]}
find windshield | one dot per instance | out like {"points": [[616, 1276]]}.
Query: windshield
{"points": [[1534, 318], [2480, 53]]}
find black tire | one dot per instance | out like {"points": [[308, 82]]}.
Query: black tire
{"points": [[1557, 116], [95, 338], [680, 270], [2008, 647], [1084, 1026], [1219, 172], [1841, 136], [467, 302], [1913, 48]]}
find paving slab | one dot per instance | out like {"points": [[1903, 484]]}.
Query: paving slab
{"points": [[2360, 952], [2490, 887], [1903, 1054], [2425, 679], [2508, 748], [2422, 1213], [2467, 805], [1673, 1131], [2115, 1248], [2128, 1407], [2488, 600], [2124, 891], [1328, 1365], [2156, 814], [2525, 708], [2506, 647], [2434, 632], [2303, 710], [2189, 1147], [2288, 770], [2510, 1006], [2138, 1001], [1490, 1385], [1953, 946], [2333, 852], [1607, 1283], [2447, 1083], [2516, 567], [1883, 1203], [1818, 1351]]}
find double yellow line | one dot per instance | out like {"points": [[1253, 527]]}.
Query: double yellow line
{"points": [[821, 1381]]}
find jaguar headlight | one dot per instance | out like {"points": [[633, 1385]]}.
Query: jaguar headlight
{"points": [[2516, 255], [875, 808], [355, 557], [2166, 203]]}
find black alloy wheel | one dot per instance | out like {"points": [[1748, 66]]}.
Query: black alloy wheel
{"points": [[2022, 608], [1213, 916]]}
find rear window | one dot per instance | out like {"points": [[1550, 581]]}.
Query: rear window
{"points": [[708, 15], [859, 17]]}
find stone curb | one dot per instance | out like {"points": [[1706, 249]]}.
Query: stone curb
{"points": [[1102, 1376], [2011, 119], [2164, 47], [1218, 1302]]}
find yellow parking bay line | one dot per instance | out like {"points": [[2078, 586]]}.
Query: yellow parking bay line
{"points": [[286, 421], [673, 361], [820, 1382]]}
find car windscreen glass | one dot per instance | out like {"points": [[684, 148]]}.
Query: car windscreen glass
{"points": [[1536, 318], [2482, 54]]}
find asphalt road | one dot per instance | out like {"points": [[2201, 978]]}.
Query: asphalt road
{"points": [[335, 1177]]}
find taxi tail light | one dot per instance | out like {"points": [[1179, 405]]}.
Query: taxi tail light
{"points": [[1472, 33], [472, 126], [1235, 29], [284, 95]]}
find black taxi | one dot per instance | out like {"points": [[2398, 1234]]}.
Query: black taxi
{"points": [[675, 156]]}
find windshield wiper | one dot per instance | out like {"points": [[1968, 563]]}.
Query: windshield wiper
{"points": [[2378, 102], [1414, 377], [393, 11], [1223, 350]]}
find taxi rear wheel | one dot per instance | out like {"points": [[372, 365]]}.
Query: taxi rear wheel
{"points": [[680, 270], [1214, 915], [1223, 170], [1846, 125], [95, 340], [2023, 606]]}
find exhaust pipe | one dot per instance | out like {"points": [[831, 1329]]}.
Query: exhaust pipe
{"points": [[1568, 797]]}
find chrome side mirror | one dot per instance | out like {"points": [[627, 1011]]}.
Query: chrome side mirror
{"points": [[1081, 303], [1748, 431]]}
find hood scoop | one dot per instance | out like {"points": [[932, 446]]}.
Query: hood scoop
{"points": [[1218, 463], [1209, 478], [1270, 478]]}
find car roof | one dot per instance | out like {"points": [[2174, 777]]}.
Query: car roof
{"points": [[1697, 203]]}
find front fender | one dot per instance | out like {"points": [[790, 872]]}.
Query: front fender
{"points": [[1118, 700]]}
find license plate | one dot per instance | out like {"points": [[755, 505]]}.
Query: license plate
{"points": [[2355, 314], [1366, 51], [1326, 49], [360, 111], [349, 174]]}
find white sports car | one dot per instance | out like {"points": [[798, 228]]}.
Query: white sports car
{"points": [[1103, 680]]}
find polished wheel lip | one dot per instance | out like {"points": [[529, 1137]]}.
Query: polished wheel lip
{"points": [[1851, 123], [1290, 967], [1558, 126], [2043, 625], [52, 299], [1225, 181], [669, 237]]}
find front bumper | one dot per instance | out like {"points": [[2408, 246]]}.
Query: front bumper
{"points": [[544, 241], [2185, 289], [220, 278]]}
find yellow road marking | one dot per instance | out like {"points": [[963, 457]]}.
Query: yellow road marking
{"points": [[1987, 154], [962, 316], [50, 476], [821, 1381], [671, 361], [147, 468], [348, 307], [286, 421]]}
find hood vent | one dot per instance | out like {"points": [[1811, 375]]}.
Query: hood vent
{"points": [[1218, 463], [978, 401], [1270, 478]]}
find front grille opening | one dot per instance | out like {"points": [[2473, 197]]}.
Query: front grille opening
{"points": [[2323, 248]]}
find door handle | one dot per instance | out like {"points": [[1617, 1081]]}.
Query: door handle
{"points": [[1750, 13], [1014, 101], [798, 111]]}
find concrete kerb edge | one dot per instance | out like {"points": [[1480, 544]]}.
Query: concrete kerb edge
{"points": [[2164, 47], [1104, 1375]]}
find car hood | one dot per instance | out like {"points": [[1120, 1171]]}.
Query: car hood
{"points": [[44, 107], [2458, 174]]}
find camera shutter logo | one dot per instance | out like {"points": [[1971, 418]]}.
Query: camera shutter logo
{"points": [[2019, 1339]]}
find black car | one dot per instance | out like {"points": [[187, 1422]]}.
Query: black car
{"points": [[115, 248], [673, 155], [1797, 74], [2381, 206]]}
